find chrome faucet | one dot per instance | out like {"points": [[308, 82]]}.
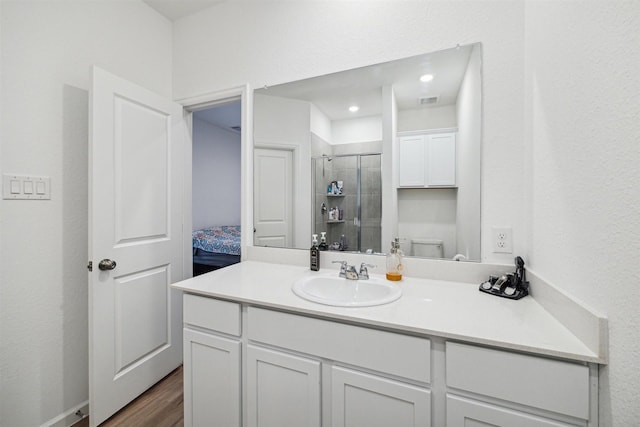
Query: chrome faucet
{"points": [[364, 273], [349, 271], [343, 268]]}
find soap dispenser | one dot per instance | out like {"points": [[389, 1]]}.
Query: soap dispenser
{"points": [[323, 241], [394, 261], [315, 254]]}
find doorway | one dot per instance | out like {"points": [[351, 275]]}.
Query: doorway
{"points": [[216, 186], [241, 95]]}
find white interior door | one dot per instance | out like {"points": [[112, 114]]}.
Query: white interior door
{"points": [[273, 197], [135, 220]]}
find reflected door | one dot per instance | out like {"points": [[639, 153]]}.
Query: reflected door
{"points": [[273, 198]]}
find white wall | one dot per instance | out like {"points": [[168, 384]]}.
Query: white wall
{"points": [[316, 38], [216, 175], [583, 157], [320, 124], [427, 118], [47, 51], [469, 140], [389, 172], [357, 148], [360, 129], [428, 214]]}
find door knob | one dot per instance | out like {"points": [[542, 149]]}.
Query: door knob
{"points": [[107, 264]]}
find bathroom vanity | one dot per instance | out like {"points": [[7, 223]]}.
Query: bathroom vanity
{"points": [[444, 354]]}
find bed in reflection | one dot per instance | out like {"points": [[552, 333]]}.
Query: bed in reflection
{"points": [[215, 247]]}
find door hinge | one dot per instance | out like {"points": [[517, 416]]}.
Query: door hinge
{"points": [[90, 266]]}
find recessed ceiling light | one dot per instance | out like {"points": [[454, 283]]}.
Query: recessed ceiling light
{"points": [[354, 108], [426, 78]]}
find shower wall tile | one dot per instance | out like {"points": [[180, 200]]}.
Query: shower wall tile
{"points": [[370, 161], [371, 206], [371, 181]]}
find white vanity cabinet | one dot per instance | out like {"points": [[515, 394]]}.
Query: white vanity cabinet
{"points": [[212, 362], [427, 160], [259, 367]]}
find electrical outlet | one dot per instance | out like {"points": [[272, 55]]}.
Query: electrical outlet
{"points": [[502, 240]]}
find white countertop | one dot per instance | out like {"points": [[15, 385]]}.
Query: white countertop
{"points": [[431, 307]]}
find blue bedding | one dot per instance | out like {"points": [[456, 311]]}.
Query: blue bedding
{"points": [[224, 239]]}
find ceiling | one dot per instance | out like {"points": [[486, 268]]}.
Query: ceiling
{"points": [[334, 93], [176, 9], [226, 116]]}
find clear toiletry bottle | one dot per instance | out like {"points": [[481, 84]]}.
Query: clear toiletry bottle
{"points": [[394, 262], [314, 263]]}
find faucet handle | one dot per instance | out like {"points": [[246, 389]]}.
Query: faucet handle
{"points": [[364, 273], [343, 267]]}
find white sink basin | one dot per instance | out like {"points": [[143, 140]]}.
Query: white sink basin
{"points": [[337, 291]]}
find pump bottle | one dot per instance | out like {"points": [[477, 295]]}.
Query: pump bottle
{"points": [[394, 261], [314, 263]]}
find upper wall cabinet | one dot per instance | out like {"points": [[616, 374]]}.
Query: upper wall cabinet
{"points": [[427, 160]]}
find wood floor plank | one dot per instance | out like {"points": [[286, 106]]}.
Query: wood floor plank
{"points": [[160, 406]]}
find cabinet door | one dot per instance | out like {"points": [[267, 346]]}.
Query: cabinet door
{"points": [[363, 400], [282, 390], [211, 380], [441, 159], [463, 412], [411, 161]]}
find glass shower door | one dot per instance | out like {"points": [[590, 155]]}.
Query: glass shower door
{"points": [[347, 201], [370, 203]]}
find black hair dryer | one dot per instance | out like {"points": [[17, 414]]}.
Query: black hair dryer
{"points": [[513, 285]]}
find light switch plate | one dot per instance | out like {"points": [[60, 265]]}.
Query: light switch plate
{"points": [[26, 187]]}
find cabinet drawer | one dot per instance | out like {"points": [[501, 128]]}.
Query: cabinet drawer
{"points": [[396, 354], [554, 385], [463, 412], [220, 316]]}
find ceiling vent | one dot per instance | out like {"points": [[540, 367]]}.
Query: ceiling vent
{"points": [[428, 100]]}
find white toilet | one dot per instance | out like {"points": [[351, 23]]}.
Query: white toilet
{"points": [[427, 248]]}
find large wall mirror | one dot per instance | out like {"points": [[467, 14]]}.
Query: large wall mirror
{"points": [[366, 155]]}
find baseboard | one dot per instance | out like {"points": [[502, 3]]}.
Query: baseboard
{"points": [[69, 417]]}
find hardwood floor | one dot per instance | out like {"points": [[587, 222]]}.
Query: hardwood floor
{"points": [[160, 406]]}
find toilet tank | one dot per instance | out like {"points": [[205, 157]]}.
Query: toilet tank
{"points": [[428, 248]]}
